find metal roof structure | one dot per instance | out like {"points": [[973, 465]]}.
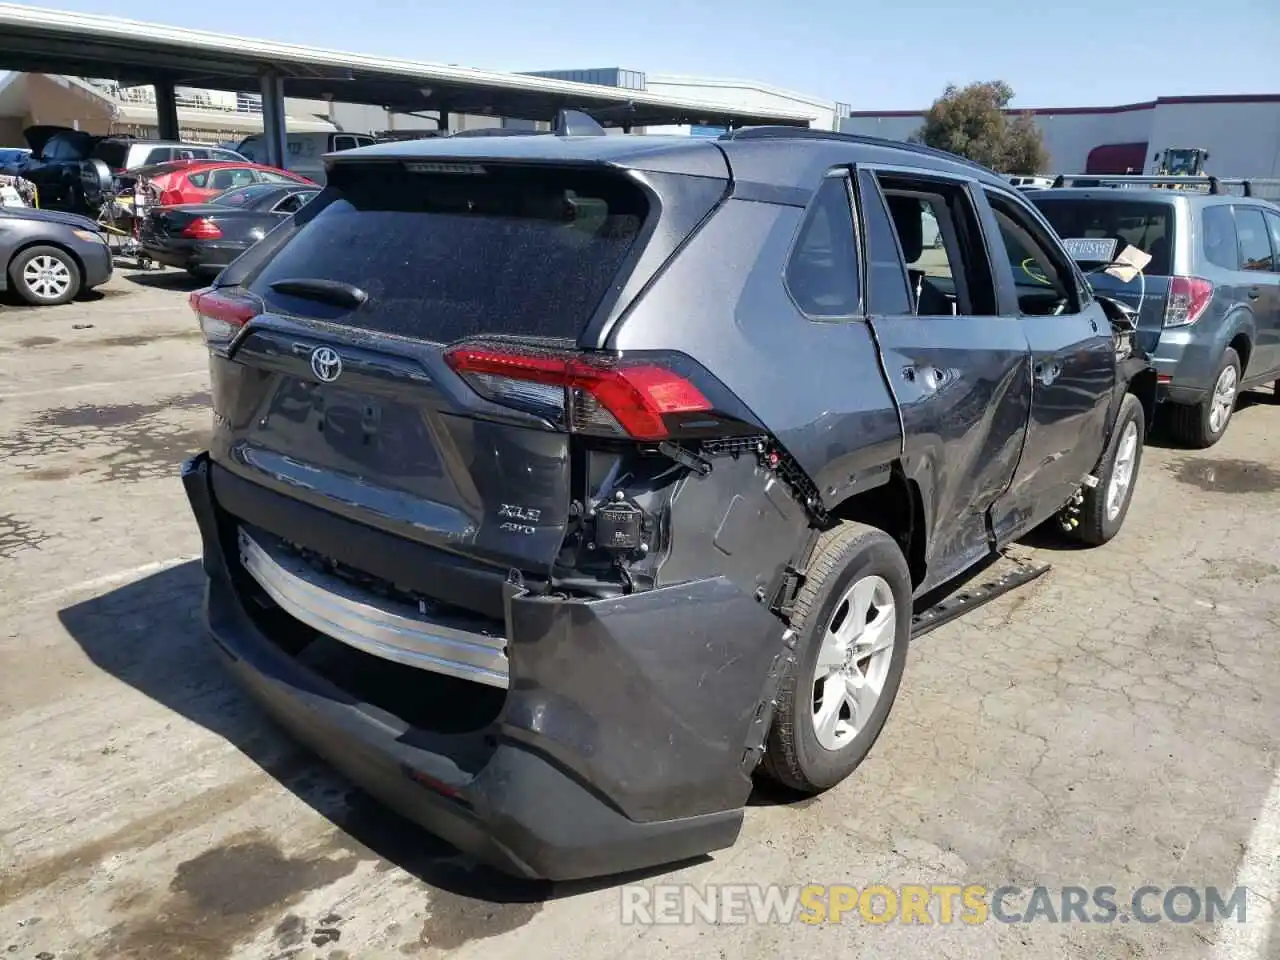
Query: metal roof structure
{"points": [[38, 40]]}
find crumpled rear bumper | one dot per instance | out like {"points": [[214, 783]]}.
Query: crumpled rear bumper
{"points": [[627, 739]]}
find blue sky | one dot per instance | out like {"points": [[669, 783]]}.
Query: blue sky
{"points": [[874, 56]]}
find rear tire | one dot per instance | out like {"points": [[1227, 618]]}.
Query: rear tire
{"points": [[45, 276], [1106, 505], [1203, 424], [853, 612]]}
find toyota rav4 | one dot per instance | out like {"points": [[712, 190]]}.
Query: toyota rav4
{"points": [[559, 483]]}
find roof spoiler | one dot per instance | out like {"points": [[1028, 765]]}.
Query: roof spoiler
{"points": [[1213, 184]]}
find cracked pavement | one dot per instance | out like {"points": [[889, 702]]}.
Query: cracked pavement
{"points": [[1113, 723]]}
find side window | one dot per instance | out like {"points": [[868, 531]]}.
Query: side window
{"points": [[344, 142], [1255, 245], [268, 176], [1219, 237], [199, 180], [1273, 228], [822, 271], [1042, 274], [158, 155], [937, 232], [290, 204]]}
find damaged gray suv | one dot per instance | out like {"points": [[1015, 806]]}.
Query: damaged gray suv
{"points": [[559, 484]]}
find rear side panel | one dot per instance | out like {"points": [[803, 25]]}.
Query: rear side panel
{"points": [[817, 387]]}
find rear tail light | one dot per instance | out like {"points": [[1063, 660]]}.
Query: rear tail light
{"points": [[221, 314], [1188, 298], [202, 229], [643, 397]]}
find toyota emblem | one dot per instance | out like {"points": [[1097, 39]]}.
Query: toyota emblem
{"points": [[326, 364]]}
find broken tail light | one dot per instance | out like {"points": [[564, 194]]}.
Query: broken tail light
{"points": [[650, 396], [1188, 299], [221, 314]]}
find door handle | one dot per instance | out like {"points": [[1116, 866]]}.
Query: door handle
{"points": [[1253, 293]]}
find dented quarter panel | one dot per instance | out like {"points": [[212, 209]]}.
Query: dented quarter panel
{"points": [[739, 521], [816, 386]]}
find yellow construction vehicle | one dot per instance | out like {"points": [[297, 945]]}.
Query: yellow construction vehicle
{"points": [[1179, 162]]}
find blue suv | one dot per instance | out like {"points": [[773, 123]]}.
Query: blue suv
{"points": [[1209, 300]]}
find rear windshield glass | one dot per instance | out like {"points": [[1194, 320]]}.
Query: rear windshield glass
{"points": [[1145, 224], [488, 250], [112, 153]]}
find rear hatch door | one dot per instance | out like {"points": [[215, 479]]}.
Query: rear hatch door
{"points": [[1146, 223], [338, 392]]}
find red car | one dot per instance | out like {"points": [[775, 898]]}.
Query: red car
{"points": [[199, 181]]}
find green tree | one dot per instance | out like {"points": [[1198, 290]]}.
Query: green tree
{"points": [[972, 121]]}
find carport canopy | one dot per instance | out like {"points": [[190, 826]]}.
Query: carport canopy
{"points": [[37, 40]]}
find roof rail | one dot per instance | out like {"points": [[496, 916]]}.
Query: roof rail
{"points": [[812, 133], [1213, 184]]}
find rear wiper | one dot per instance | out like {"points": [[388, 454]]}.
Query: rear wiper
{"points": [[327, 291]]}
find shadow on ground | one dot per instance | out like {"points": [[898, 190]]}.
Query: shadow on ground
{"points": [[150, 635], [1160, 436], [165, 279]]}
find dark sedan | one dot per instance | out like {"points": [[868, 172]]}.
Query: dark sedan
{"points": [[202, 238], [48, 257]]}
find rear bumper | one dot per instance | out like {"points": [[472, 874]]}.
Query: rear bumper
{"points": [[1186, 360], [619, 747], [191, 254]]}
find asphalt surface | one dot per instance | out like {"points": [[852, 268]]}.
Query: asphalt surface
{"points": [[1115, 723]]}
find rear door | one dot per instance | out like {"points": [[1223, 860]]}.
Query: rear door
{"points": [[1259, 263], [1073, 363], [347, 401], [960, 372]]}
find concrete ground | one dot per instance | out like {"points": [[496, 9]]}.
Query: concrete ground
{"points": [[1115, 723]]}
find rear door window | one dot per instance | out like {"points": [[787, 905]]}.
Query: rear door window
{"points": [[1273, 228], [1255, 245], [224, 178], [1145, 224], [1218, 237], [158, 155], [508, 250]]}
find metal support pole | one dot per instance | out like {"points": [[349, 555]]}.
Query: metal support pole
{"points": [[442, 121], [273, 124], [166, 109]]}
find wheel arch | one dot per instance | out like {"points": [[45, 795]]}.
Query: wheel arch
{"points": [[42, 242], [896, 506]]}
